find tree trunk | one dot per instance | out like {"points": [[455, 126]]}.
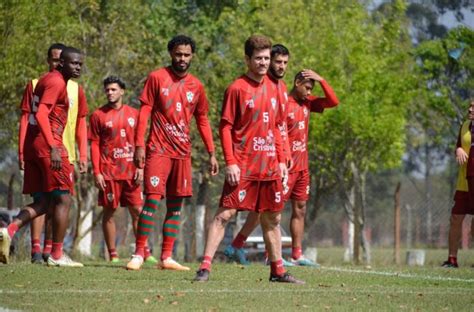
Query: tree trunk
{"points": [[10, 192]]}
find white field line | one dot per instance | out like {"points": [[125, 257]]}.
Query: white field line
{"points": [[404, 275], [294, 289]]}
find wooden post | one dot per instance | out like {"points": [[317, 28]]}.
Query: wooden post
{"points": [[397, 223]]}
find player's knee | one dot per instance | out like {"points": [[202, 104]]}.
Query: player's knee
{"points": [[223, 217]]}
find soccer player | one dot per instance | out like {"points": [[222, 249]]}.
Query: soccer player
{"points": [[255, 162], [47, 167], [171, 96], [463, 198], [112, 129], [74, 132], [278, 65]]}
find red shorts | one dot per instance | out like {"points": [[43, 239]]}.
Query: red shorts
{"points": [[39, 177], [255, 196], [297, 187], [121, 192], [167, 176], [461, 204]]}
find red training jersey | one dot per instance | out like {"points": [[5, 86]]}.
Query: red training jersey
{"points": [[298, 120], [173, 100], [251, 114], [279, 86], [50, 92], [114, 132], [27, 115]]}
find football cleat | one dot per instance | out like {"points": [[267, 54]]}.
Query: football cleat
{"points": [[37, 258], [285, 278], [237, 254], [4, 245], [64, 261], [151, 260], [202, 275], [302, 261], [170, 264], [450, 265], [135, 263]]}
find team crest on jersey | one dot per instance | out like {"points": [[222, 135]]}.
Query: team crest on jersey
{"points": [[274, 103], [109, 124], [110, 197], [154, 180], [131, 122], [249, 103], [71, 102], [291, 115], [165, 91], [190, 96], [242, 194], [305, 112]]}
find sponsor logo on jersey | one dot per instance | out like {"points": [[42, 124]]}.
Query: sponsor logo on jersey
{"points": [[177, 131], [154, 180], [299, 146], [261, 144], [110, 197], [242, 194], [109, 124], [165, 91], [274, 103], [189, 96], [249, 103], [125, 152], [131, 122]]}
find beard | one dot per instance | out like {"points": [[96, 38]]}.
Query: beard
{"points": [[179, 68], [275, 74]]}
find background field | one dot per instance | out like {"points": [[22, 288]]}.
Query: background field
{"points": [[334, 287]]}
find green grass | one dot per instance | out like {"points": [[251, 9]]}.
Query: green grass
{"points": [[335, 287]]}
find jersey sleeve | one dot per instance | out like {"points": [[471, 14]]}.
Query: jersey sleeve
{"points": [[147, 98], [25, 104], [202, 120], [318, 104], [225, 133], [229, 106], [82, 108]]}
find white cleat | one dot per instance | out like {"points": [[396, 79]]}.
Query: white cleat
{"points": [[135, 263], [4, 245], [64, 261], [170, 264]]}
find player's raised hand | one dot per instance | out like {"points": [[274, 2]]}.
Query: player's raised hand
{"points": [[139, 157], [83, 166], [138, 177], [56, 160], [232, 174], [100, 182], [213, 165], [461, 156], [309, 74]]}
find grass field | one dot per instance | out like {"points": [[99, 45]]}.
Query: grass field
{"points": [[334, 287]]}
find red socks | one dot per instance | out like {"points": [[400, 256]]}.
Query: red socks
{"points": [[277, 267], [113, 254], [57, 250], [206, 263], [48, 245], [239, 241], [296, 253], [35, 246], [12, 229]]}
